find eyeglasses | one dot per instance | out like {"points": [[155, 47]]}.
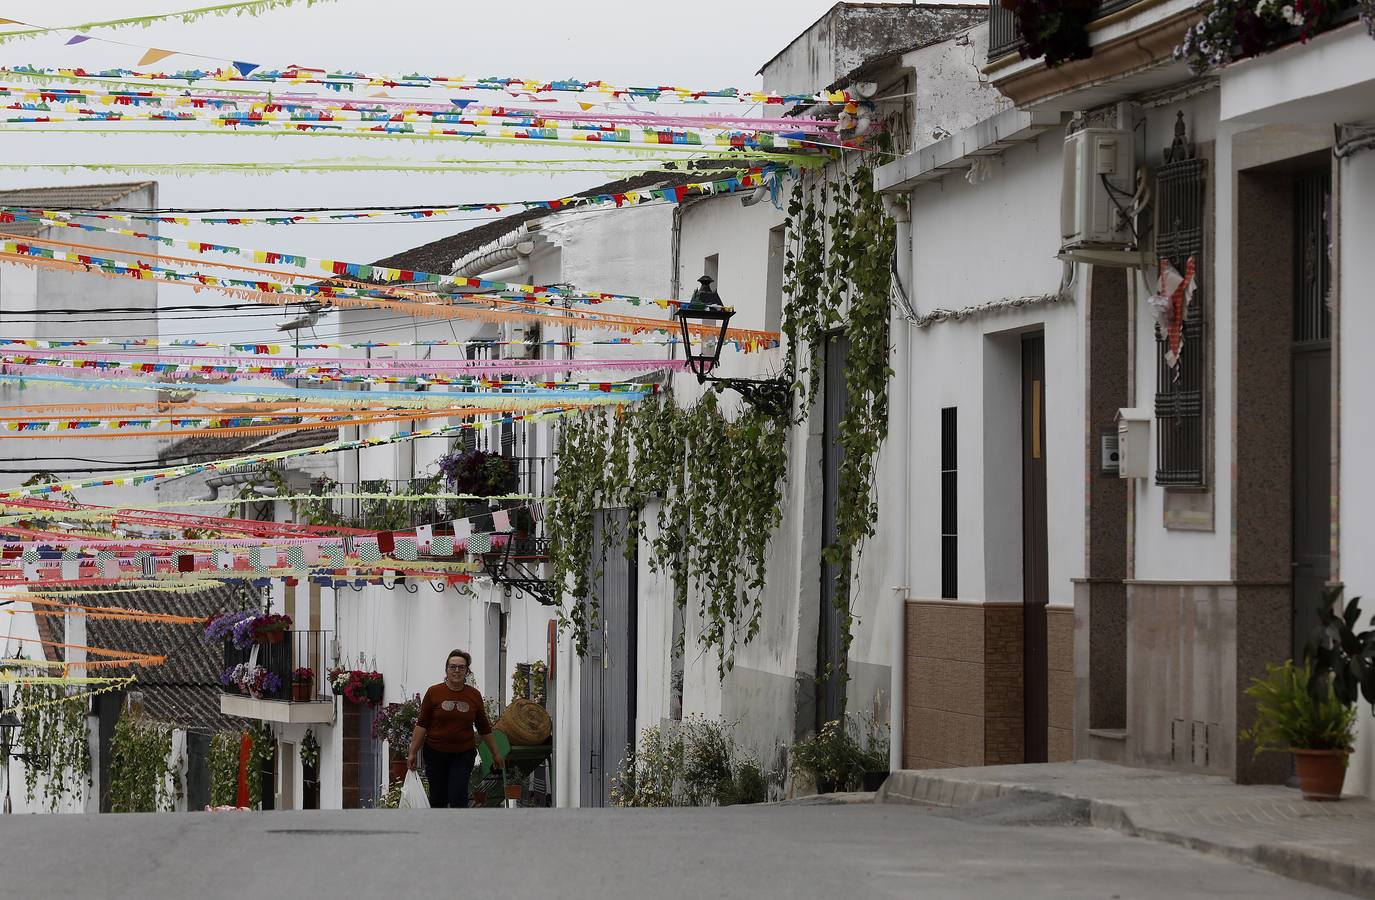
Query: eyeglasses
{"points": [[456, 668]]}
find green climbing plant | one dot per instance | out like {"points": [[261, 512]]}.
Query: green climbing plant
{"points": [[53, 737], [720, 481], [223, 763], [715, 520], [143, 775]]}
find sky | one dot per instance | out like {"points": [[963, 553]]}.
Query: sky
{"points": [[709, 44]]}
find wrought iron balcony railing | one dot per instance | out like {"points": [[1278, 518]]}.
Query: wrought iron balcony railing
{"points": [[411, 507]]}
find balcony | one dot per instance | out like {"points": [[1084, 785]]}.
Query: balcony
{"points": [[288, 703], [401, 515], [1005, 38]]}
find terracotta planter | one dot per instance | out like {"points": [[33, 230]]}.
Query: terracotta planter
{"points": [[396, 768], [301, 691], [1321, 773], [271, 637]]}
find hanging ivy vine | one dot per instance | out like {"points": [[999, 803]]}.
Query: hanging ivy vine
{"points": [[714, 523], [223, 763], [143, 775], [721, 481], [838, 273], [53, 737]]}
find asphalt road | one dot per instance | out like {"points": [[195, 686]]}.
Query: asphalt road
{"points": [[837, 852]]}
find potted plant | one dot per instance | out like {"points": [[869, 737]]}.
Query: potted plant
{"points": [[831, 758], [873, 759], [1319, 731], [1054, 29], [302, 680], [270, 628], [338, 678], [235, 627], [255, 681], [479, 473], [395, 723], [372, 687]]}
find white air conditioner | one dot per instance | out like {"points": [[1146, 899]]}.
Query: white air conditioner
{"points": [[520, 336], [1096, 196]]}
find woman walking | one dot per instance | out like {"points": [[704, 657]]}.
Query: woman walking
{"points": [[449, 712]]}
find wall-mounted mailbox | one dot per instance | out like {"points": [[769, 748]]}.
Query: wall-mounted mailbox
{"points": [[1133, 443]]}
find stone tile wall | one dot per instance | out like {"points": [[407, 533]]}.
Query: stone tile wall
{"points": [[1060, 683], [963, 691]]}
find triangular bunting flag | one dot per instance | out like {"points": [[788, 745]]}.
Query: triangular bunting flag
{"points": [[153, 55]]}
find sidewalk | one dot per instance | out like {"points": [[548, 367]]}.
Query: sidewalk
{"points": [[1272, 827]]}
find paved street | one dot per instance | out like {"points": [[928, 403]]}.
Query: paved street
{"points": [[838, 852]]}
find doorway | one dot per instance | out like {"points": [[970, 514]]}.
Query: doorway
{"points": [[830, 661], [1035, 577], [1311, 404], [607, 688]]}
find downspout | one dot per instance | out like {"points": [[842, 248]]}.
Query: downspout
{"points": [[900, 427]]}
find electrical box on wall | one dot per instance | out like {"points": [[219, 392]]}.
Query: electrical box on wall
{"points": [[1133, 443], [1096, 191]]}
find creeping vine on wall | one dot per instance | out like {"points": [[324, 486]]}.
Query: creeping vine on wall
{"points": [[838, 276], [721, 481], [54, 739], [143, 775]]}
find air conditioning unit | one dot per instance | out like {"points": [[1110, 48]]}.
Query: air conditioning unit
{"points": [[1096, 197], [523, 341]]}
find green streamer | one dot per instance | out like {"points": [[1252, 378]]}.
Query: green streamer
{"points": [[242, 8]]}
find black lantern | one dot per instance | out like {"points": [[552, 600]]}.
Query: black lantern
{"points": [[704, 320]]}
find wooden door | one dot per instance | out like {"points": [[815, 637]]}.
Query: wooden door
{"points": [[1035, 578]]}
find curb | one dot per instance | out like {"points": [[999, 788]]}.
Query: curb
{"points": [[1307, 864]]}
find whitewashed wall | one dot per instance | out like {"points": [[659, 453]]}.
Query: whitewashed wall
{"points": [[22, 288], [975, 244], [1356, 520]]}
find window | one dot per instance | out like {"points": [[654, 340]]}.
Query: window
{"points": [[1180, 388], [773, 290], [949, 517], [711, 267]]}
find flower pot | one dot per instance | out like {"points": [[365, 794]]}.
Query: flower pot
{"points": [[874, 780], [1321, 773], [301, 691], [374, 693], [337, 689], [396, 768]]}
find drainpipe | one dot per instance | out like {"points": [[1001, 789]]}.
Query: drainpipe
{"points": [[900, 427]]}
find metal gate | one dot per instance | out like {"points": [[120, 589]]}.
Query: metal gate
{"points": [[607, 689], [1311, 411]]}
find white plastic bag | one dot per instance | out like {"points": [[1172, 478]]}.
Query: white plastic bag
{"points": [[413, 793]]}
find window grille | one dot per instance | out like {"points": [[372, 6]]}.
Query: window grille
{"points": [[1181, 389], [949, 509]]}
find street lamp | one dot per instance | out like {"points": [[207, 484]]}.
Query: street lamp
{"points": [[704, 320]]}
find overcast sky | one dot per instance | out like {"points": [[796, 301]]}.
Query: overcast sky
{"points": [[706, 44]]}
